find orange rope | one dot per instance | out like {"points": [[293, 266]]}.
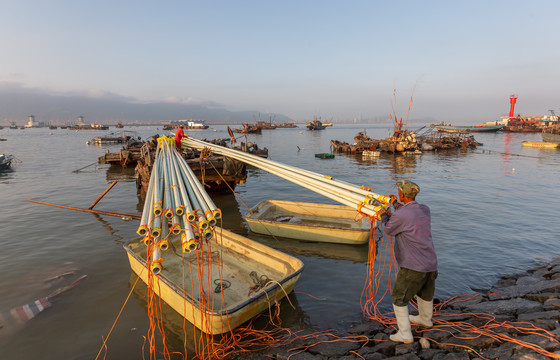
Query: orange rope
{"points": [[461, 330], [103, 346]]}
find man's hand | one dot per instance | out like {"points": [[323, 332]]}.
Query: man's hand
{"points": [[384, 212], [395, 202]]}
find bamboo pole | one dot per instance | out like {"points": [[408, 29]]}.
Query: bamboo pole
{"points": [[80, 169], [101, 196], [101, 212]]}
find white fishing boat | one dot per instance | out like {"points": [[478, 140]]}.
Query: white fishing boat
{"points": [[308, 221], [240, 279], [187, 124]]}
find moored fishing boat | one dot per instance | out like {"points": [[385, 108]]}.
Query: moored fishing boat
{"points": [[476, 128], [246, 278], [315, 125], [519, 124], [309, 221], [249, 129], [266, 125], [81, 125], [103, 140], [551, 133], [6, 161], [287, 125], [187, 125]]}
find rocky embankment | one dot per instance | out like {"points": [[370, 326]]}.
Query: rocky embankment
{"points": [[518, 318]]}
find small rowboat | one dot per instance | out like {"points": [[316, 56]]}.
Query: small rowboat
{"points": [[252, 276], [541, 144], [307, 221]]}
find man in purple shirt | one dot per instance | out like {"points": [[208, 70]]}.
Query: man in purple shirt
{"points": [[410, 225]]}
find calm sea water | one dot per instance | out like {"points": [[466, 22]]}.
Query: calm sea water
{"points": [[494, 211]]}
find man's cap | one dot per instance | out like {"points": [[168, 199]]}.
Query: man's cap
{"points": [[408, 188]]}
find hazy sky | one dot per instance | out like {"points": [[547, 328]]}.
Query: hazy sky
{"points": [[340, 59]]}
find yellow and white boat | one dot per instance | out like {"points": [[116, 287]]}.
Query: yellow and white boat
{"points": [[308, 221], [239, 279]]}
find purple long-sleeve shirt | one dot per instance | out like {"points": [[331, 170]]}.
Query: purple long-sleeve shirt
{"points": [[411, 227]]}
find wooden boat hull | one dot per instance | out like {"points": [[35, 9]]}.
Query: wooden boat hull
{"points": [[465, 129], [522, 129], [240, 256], [319, 222], [541, 144]]}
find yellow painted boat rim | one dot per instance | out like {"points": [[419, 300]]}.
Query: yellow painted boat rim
{"points": [[260, 294]]}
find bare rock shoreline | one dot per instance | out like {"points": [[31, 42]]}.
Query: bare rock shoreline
{"points": [[518, 318]]}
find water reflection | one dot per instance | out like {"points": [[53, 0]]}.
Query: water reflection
{"points": [[506, 154], [6, 175], [123, 174], [118, 239], [353, 253], [403, 164]]}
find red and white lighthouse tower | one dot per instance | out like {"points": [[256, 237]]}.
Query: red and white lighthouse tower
{"points": [[512, 101]]}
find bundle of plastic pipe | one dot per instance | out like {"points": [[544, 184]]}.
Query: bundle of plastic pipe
{"points": [[363, 200], [176, 203]]}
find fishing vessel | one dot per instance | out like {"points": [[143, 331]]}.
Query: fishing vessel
{"points": [[551, 134], [249, 129], [519, 124], [465, 129], [308, 221], [104, 140], [187, 124], [266, 125], [81, 125], [5, 161], [315, 125], [287, 125], [243, 282]]}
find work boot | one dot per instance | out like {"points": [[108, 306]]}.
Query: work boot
{"points": [[425, 312], [404, 334]]}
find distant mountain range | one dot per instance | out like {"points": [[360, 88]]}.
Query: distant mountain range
{"points": [[59, 109], [18, 106]]}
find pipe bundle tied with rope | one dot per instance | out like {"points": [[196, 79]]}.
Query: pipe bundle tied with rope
{"points": [[362, 199], [176, 203]]}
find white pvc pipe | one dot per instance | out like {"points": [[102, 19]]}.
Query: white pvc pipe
{"points": [[259, 162], [296, 173], [211, 206], [156, 229], [156, 260], [148, 205]]}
